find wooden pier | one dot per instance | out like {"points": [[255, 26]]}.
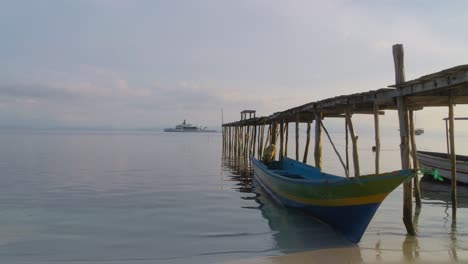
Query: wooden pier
{"points": [[446, 88]]}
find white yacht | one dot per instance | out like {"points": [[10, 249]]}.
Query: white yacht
{"points": [[184, 127]]}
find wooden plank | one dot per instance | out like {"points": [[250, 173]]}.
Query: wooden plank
{"points": [[434, 101]]}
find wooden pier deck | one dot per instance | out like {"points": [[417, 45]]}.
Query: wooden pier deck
{"points": [[442, 89]]}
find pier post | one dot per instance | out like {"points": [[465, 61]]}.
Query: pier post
{"points": [[377, 138], [268, 139], [274, 132], [286, 128], [306, 150], [246, 149], [318, 140], [347, 144], [281, 148], [398, 59], [297, 136], [254, 139], [453, 159], [414, 156], [260, 141], [357, 172]]}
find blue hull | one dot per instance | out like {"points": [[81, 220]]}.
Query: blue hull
{"points": [[351, 221]]}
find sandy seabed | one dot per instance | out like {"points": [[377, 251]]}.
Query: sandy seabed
{"points": [[360, 255]]}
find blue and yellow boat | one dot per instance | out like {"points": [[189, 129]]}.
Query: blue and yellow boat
{"points": [[346, 204]]}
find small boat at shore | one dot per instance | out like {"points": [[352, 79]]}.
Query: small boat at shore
{"points": [[185, 127], [346, 204], [441, 162]]}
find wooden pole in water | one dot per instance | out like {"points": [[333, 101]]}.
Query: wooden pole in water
{"points": [[377, 139], [254, 138], [354, 142], [246, 148], [274, 133], [447, 139], [414, 156], [260, 141], [306, 150], [453, 160], [297, 137], [286, 128], [318, 140], [281, 148], [398, 59], [347, 144], [268, 140], [235, 146]]}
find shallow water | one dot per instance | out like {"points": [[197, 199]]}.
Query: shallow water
{"points": [[108, 197]]}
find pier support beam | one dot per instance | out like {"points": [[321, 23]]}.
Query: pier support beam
{"points": [[318, 140], [398, 58], [297, 136], [414, 156], [377, 139], [286, 132], [281, 148], [261, 135], [453, 160], [306, 149], [354, 141]]}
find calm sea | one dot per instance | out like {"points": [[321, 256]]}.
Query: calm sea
{"points": [[115, 197]]}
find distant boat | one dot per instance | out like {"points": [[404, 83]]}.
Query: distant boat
{"points": [[346, 204], [419, 131], [441, 162], [184, 127]]}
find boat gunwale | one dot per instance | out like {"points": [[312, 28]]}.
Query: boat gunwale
{"points": [[339, 180], [434, 155]]}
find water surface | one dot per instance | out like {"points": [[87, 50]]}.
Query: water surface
{"points": [[112, 197]]}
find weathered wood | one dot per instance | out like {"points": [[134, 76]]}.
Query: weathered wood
{"points": [[434, 101], [398, 58], [453, 161], [357, 172], [297, 136], [281, 148], [268, 140], [260, 141], [336, 151], [414, 156], [306, 150], [318, 141], [274, 133], [254, 137], [377, 138], [286, 128], [347, 144]]}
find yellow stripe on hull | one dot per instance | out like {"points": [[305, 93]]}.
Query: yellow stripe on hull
{"points": [[370, 199]]}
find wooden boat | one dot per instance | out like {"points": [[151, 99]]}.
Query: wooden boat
{"points": [[346, 204], [441, 162]]}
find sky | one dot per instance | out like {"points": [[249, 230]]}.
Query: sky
{"points": [[151, 64]]}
